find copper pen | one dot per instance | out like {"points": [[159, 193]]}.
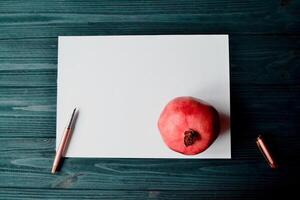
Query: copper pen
{"points": [[266, 152], [63, 143]]}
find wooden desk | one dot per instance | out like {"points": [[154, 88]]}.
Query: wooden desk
{"points": [[265, 97]]}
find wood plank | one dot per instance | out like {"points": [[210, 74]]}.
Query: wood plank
{"points": [[48, 19], [32, 62], [23, 194], [145, 175]]}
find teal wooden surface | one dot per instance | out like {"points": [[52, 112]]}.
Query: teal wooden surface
{"points": [[265, 96]]}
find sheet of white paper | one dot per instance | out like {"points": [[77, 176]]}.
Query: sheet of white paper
{"points": [[121, 84]]}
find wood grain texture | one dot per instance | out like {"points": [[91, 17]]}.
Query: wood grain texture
{"points": [[29, 161], [56, 194], [265, 96], [258, 59], [34, 18]]}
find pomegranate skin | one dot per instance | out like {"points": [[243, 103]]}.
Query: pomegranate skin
{"points": [[189, 125]]}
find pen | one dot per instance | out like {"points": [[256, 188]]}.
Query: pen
{"points": [[63, 143], [266, 152]]}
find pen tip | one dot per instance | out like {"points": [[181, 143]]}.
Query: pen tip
{"points": [[259, 136], [53, 170]]}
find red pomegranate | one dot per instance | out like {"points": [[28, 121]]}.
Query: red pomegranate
{"points": [[189, 125]]}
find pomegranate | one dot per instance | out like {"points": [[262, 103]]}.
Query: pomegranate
{"points": [[189, 125]]}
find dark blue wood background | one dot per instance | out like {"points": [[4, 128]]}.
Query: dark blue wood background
{"points": [[265, 97]]}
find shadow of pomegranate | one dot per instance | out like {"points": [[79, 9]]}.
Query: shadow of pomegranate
{"points": [[224, 123]]}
